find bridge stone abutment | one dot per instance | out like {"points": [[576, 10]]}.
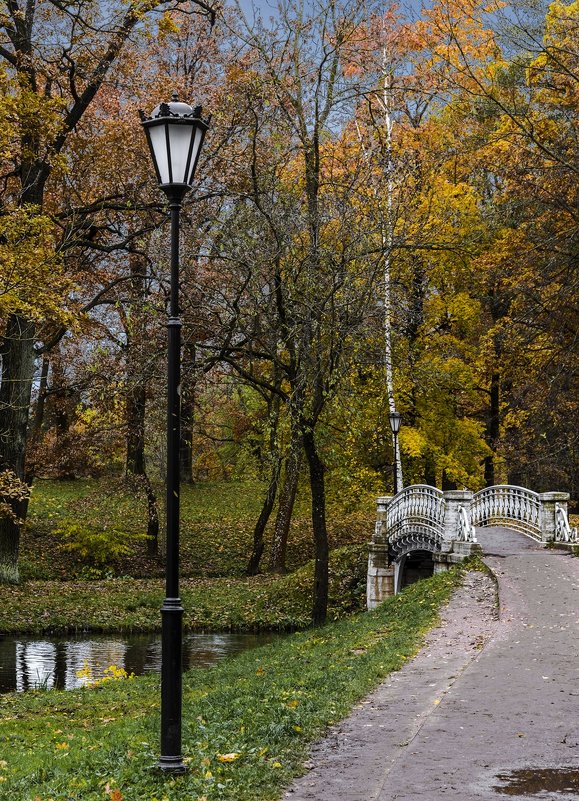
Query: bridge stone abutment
{"points": [[454, 500], [550, 503], [380, 584]]}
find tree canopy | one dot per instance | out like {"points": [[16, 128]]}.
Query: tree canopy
{"points": [[386, 214]]}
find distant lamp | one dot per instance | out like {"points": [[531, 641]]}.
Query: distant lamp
{"points": [[395, 421]]}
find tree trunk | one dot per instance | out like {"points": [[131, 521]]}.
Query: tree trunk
{"points": [[17, 353], [415, 317], [492, 432], [135, 417], [286, 505], [318, 490], [37, 422], [186, 447], [387, 245], [266, 509], [152, 518], [430, 470], [447, 484], [18, 360], [38, 419], [136, 399]]}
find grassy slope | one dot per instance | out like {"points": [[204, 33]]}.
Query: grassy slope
{"points": [[217, 521], [216, 538], [259, 710], [127, 604]]}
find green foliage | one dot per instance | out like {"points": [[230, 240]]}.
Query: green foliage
{"points": [[32, 281], [97, 546], [247, 722]]}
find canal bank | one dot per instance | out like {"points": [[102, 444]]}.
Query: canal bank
{"points": [[247, 720]]}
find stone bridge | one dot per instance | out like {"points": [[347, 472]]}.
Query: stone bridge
{"points": [[422, 530]]}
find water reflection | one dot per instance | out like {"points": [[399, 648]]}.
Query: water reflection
{"points": [[53, 662]]}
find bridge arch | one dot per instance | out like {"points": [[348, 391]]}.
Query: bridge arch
{"points": [[413, 566], [410, 544]]}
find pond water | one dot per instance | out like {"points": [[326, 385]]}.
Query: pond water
{"points": [[28, 662]]}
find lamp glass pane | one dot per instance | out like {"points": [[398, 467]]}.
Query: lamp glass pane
{"points": [[180, 139], [159, 144], [194, 155]]}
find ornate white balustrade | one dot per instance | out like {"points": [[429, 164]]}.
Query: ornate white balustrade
{"points": [[422, 518], [563, 530], [506, 505], [419, 506], [415, 516], [465, 530]]}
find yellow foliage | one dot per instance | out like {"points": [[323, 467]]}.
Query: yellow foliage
{"points": [[167, 25], [32, 279], [228, 757], [412, 441]]}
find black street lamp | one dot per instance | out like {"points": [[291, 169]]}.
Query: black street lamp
{"points": [[395, 420], [175, 133]]}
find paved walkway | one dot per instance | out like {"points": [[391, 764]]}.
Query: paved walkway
{"points": [[469, 723]]}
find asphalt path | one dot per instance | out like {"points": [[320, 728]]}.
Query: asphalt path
{"points": [[489, 709]]}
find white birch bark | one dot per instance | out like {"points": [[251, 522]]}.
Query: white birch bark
{"points": [[387, 234]]}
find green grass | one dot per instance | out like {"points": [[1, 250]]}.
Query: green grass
{"points": [[250, 604], [262, 709], [217, 521]]}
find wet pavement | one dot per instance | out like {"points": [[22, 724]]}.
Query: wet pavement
{"points": [[488, 709]]}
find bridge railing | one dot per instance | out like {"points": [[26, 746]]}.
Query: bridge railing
{"points": [[564, 532], [465, 529], [454, 514], [421, 517], [420, 505], [508, 505]]}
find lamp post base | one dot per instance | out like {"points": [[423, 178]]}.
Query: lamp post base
{"points": [[172, 764]]}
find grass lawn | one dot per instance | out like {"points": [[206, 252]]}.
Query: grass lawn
{"points": [[247, 721], [219, 604], [217, 523]]}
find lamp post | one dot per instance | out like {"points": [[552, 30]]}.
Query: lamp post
{"points": [[175, 133], [395, 420]]}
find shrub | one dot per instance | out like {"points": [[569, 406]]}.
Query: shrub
{"points": [[13, 492], [97, 546]]}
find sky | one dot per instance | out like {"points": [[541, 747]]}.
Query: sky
{"points": [[523, 14]]}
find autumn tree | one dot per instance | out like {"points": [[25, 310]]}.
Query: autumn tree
{"points": [[295, 303], [55, 60], [519, 112]]}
